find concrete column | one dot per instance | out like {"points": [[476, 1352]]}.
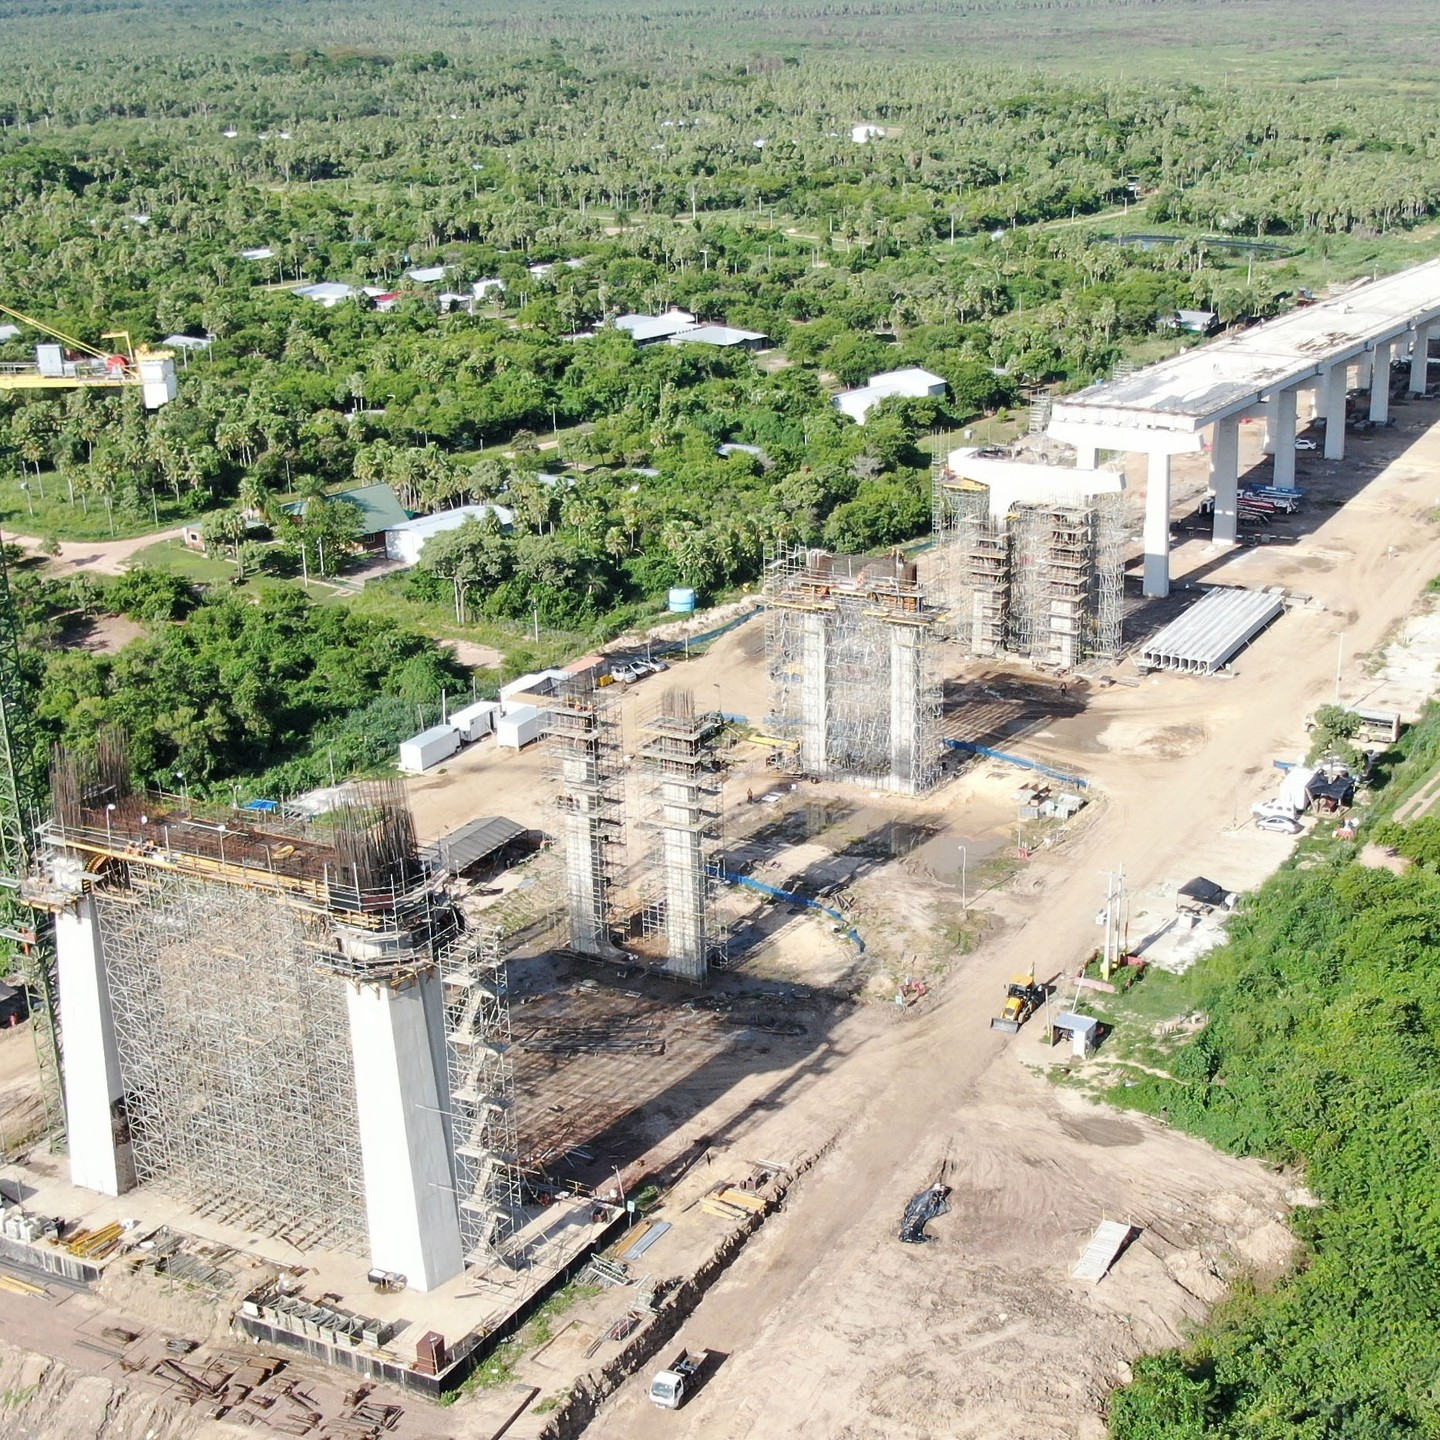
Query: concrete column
{"points": [[1380, 385], [904, 706], [1157, 527], [1420, 360], [1087, 457], [100, 1157], [1272, 420], [584, 835], [1337, 382], [814, 696], [1225, 479], [682, 805], [410, 1202], [1363, 371], [1284, 437]]}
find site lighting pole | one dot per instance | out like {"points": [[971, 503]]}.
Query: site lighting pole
{"points": [[109, 835], [964, 905]]}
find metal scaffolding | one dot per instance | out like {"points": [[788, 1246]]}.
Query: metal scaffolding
{"points": [[474, 973], [682, 784], [229, 941], [584, 736], [853, 681], [1043, 581], [234, 1054]]}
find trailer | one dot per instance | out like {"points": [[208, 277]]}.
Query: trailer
{"points": [[476, 721], [517, 728], [420, 752]]}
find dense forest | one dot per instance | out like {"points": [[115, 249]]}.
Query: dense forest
{"points": [[135, 179]]}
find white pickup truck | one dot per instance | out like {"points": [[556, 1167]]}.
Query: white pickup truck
{"points": [[673, 1384]]}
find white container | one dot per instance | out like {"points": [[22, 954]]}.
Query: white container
{"points": [[476, 720], [518, 727], [428, 748]]}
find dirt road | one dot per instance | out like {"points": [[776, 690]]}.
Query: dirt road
{"points": [[827, 1327], [102, 557]]}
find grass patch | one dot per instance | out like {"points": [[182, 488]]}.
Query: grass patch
{"points": [[500, 1365], [45, 509]]}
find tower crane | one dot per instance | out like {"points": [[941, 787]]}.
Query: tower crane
{"points": [[64, 363]]}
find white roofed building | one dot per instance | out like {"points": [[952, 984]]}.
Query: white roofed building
{"points": [[912, 383], [405, 542]]}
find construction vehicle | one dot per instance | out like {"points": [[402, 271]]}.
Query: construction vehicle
{"points": [[1022, 998], [671, 1386], [64, 363]]}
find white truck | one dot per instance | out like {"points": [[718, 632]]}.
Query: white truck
{"points": [[672, 1385]]}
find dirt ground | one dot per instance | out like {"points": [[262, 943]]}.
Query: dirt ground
{"points": [[827, 1326]]}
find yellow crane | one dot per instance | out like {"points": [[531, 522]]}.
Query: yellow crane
{"points": [[86, 367]]}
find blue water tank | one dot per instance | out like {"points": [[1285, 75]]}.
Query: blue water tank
{"points": [[682, 600]]}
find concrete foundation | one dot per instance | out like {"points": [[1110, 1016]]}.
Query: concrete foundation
{"points": [[409, 1187]]}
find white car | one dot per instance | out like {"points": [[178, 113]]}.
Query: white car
{"points": [[1279, 824], [1304, 443]]}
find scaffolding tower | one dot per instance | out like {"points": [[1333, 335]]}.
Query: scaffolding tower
{"points": [[584, 735], [474, 973], [267, 996], [682, 786], [239, 1082], [1044, 580], [850, 655]]}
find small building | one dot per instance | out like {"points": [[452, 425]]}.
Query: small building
{"points": [[405, 541], [260, 252], [647, 329], [515, 729], [863, 133], [725, 337], [1197, 322], [449, 300], [912, 383], [420, 752], [327, 292], [386, 301], [475, 721], [380, 511], [428, 274], [491, 286]]}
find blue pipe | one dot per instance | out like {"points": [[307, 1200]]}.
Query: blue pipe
{"points": [[774, 891], [971, 748]]}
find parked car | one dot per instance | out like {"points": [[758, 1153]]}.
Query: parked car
{"points": [[628, 671], [1282, 824], [1303, 442]]}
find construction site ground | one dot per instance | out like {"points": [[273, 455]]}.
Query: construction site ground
{"points": [[823, 1324]]}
